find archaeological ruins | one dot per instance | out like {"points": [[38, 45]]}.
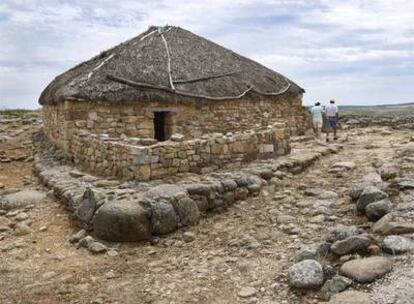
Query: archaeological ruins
{"points": [[169, 101]]}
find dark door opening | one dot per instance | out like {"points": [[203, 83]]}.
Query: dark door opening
{"points": [[159, 126]]}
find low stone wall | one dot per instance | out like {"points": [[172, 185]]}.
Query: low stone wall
{"points": [[133, 212], [126, 159]]}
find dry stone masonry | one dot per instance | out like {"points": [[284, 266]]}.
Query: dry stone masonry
{"points": [[131, 158]]}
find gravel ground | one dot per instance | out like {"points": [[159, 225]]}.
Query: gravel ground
{"points": [[239, 255], [398, 286]]}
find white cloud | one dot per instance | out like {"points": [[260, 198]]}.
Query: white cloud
{"points": [[353, 50]]}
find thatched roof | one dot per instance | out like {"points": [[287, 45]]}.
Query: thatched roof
{"points": [[166, 63]]}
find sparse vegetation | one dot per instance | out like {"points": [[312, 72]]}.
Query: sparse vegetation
{"points": [[24, 113]]}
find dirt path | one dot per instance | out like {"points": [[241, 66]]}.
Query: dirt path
{"points": [[247, 247]]}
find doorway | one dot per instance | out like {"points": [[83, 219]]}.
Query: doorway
{"points": [[162, 125]]}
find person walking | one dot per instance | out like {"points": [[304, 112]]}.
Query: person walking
{"points": [[331, 111], [317, 120]]}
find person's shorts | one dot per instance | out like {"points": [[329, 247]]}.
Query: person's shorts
{"points": [[331, 123], [317, 123]]}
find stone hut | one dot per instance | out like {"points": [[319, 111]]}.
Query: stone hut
{"points": [[154, 105]]}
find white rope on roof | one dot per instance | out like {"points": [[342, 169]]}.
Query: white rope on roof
{"points": [[100, 65], [147, 35], [272, 93], [168, 55]]}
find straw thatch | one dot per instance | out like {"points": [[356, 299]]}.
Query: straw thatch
{"points": [[167, 64]]}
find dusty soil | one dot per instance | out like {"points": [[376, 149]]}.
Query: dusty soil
{"points": [[242, 246]]}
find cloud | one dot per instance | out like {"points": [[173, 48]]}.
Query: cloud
{"points": [[358, 51]]}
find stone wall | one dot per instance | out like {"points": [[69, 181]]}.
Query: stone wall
{"points": [[127, 159], [64, 120]]}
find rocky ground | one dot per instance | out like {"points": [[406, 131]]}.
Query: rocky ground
{"points": [[240, 254]]}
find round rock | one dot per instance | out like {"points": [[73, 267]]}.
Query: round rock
{"points": [[122, 222], [351, 244], [396, 244], [187, 211], [368, 269], [341, 232], [377, 210], [335, 285], [369, 195], [21, 199], [163, 218], [306, 274]]}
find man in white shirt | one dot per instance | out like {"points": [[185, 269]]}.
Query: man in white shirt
{"points": [[317, 120], [331, 111]]}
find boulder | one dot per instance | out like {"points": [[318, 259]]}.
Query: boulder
{"points": [[167, 192], [377, 210], [366, 270], [351, 297], [163, 218], [371, 179], [91, 200], [369, 195], [395, 244], [265, 173], [392, 223], [187, 211], [341, 232], [199, 189], [122, 222], [352, 244], [229, 184], [306, 274], [311, 251], [335, 285], [21, 199]]}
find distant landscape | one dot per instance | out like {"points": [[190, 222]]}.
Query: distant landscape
{"points": [[390, 109]]}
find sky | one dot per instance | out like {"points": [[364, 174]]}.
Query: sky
{"points": [[355, 51]]}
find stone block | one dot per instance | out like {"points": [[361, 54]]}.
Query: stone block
{"points": [[267, 148], [143, 173]]}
